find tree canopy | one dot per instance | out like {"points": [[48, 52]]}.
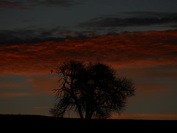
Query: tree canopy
{"points": [[92, 90]]}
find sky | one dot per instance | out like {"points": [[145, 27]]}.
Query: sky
{"points": [[138, 38]]}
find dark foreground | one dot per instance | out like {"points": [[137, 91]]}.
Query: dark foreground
{"points": [[32, 123]]}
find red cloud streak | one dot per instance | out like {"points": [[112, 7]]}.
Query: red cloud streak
{"points": [[146, 116], [4, 3], [137, 49], [9, 4]]}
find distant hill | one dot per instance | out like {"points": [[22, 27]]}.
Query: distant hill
{"points": [[37, 122]]}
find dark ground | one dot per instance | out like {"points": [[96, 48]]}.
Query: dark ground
{"points": [[33, 123]]}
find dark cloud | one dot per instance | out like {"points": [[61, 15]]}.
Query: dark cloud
{"points": [[32, 3], [25, 36], [59, 2], [63, 3], [10, 37], [151, 14], [133, 19], [174, 53]]}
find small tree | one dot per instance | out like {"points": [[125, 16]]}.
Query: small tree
{"points": [[92, 90]]}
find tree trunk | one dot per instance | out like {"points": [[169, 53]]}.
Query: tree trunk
{"points": [[88, 114], [80, 111], [75, 97], [78, 107]]}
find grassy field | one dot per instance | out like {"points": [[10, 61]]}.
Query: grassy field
{"points": [[43, 123]]}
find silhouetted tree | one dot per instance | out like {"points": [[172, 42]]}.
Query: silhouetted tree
{"points": [[93, 90]]}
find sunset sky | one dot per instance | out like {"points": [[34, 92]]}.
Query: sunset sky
{"points": [[138, 38]]}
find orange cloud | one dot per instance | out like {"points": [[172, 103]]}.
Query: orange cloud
{"points": [[152, 88], [11, 85], [44, 85], [126, 50], [43, 107], [7, 95], [145, 116]]}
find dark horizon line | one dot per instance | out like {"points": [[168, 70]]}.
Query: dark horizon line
{"points": [[74, 118]]}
